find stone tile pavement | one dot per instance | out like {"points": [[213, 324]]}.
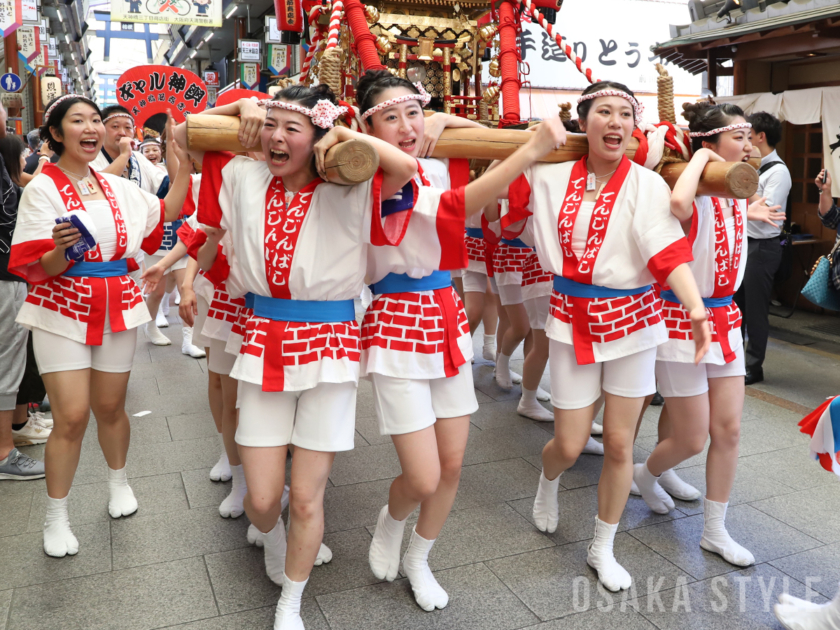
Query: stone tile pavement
{"points": [[177, 564]]}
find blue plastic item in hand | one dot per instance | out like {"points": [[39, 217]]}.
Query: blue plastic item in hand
{"points": [[87, 231]]}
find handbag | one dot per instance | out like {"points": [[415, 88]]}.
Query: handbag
{"points": [[819, 289]]}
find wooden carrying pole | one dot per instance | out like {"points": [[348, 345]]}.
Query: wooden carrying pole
{"points": [[347, 163], [735, 180]]}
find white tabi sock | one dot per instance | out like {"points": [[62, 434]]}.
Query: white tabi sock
{"points": [[160, 318], [427, 592], [221, 471], [600, 557], [384, 554], [324, 555], [717, 540], [122, 501], [597, 429], [656, 498], [503, 375], [593, 447], [546, 511], [188, 347], [59, 541], [232, 506], [489, 349], [531, 408], [155, 336], [256, 537], [800, 614], [275, 552], [287, 616], [542, 395], [164, 304], [678, 488]]}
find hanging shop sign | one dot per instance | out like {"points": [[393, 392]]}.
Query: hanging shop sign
{"points": [[190, 12], [211, 78], [29, 11], [249, 75], [278, 59], [28, 44], [10, 16], [272, 32], [149, 90], [249, 50]]}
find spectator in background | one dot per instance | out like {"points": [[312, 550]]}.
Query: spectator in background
{"points": [[14, 425], [38, 149], [764, 251], [829, 212], [12, 149]]}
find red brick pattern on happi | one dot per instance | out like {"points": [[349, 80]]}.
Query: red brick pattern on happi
{"points": [[533, 273], [305, 342], [611, 319], [679, 323], [509, 259], [475, 248], [409, 322], [225, 308], [72, 297]]}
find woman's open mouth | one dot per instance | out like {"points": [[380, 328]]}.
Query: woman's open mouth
{"points": [[89, 144], [408, 145], [613, 141], [279, 158]]}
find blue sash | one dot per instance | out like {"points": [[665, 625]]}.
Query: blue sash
{"points": [[712, 302], [475, 232], [515, 242], [249, 300], [401, 283], [281, 310], [576, 289], [110, 269]]}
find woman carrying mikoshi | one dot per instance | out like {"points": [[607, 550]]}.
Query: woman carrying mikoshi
{"points": [[603, 226], [416, 343], [706, 399], [84, 309], [305, 259]]}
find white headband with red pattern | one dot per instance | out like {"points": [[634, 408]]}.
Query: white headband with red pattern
{"points": [[638, 108], [323, 114], [63, 98], [714, 132], [421, 96]]}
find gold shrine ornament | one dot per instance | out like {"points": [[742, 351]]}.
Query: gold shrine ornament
{"points": [[426, 49], [384, 44], [493, 68], [487, 32], [491, 95], [371, 14]]}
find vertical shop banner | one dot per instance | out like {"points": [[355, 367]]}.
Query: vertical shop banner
{"points": [[149, 90], [190, 12], [10, 16], [831, 136], [27, 39], [278, 59], [249, 75]]}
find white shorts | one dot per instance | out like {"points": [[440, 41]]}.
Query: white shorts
{"points": [[319, 419], [219, 361], [494, 288], [576, 386], [510, 294], [153, 259], [538, 309], [474, 282], [406, 405], [681, 380], [54, 353]]}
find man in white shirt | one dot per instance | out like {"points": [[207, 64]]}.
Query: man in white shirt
{"points": [[764, 251]]}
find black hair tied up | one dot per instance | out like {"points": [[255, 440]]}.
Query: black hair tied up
{"points": [[57, 115], [706, 116], [373, 83]]}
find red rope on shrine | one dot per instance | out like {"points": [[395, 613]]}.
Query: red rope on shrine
{"points": [[365, 40], [566, 48]]}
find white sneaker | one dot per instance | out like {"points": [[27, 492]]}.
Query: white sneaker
{"points": [[40, 419], [161, 321], [30, 433], [157, 337]]}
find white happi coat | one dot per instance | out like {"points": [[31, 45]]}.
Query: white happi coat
{"points": [[314, 250], [76, 308], [150, 177], [712, 280], [420, 334], [643, 243]]}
